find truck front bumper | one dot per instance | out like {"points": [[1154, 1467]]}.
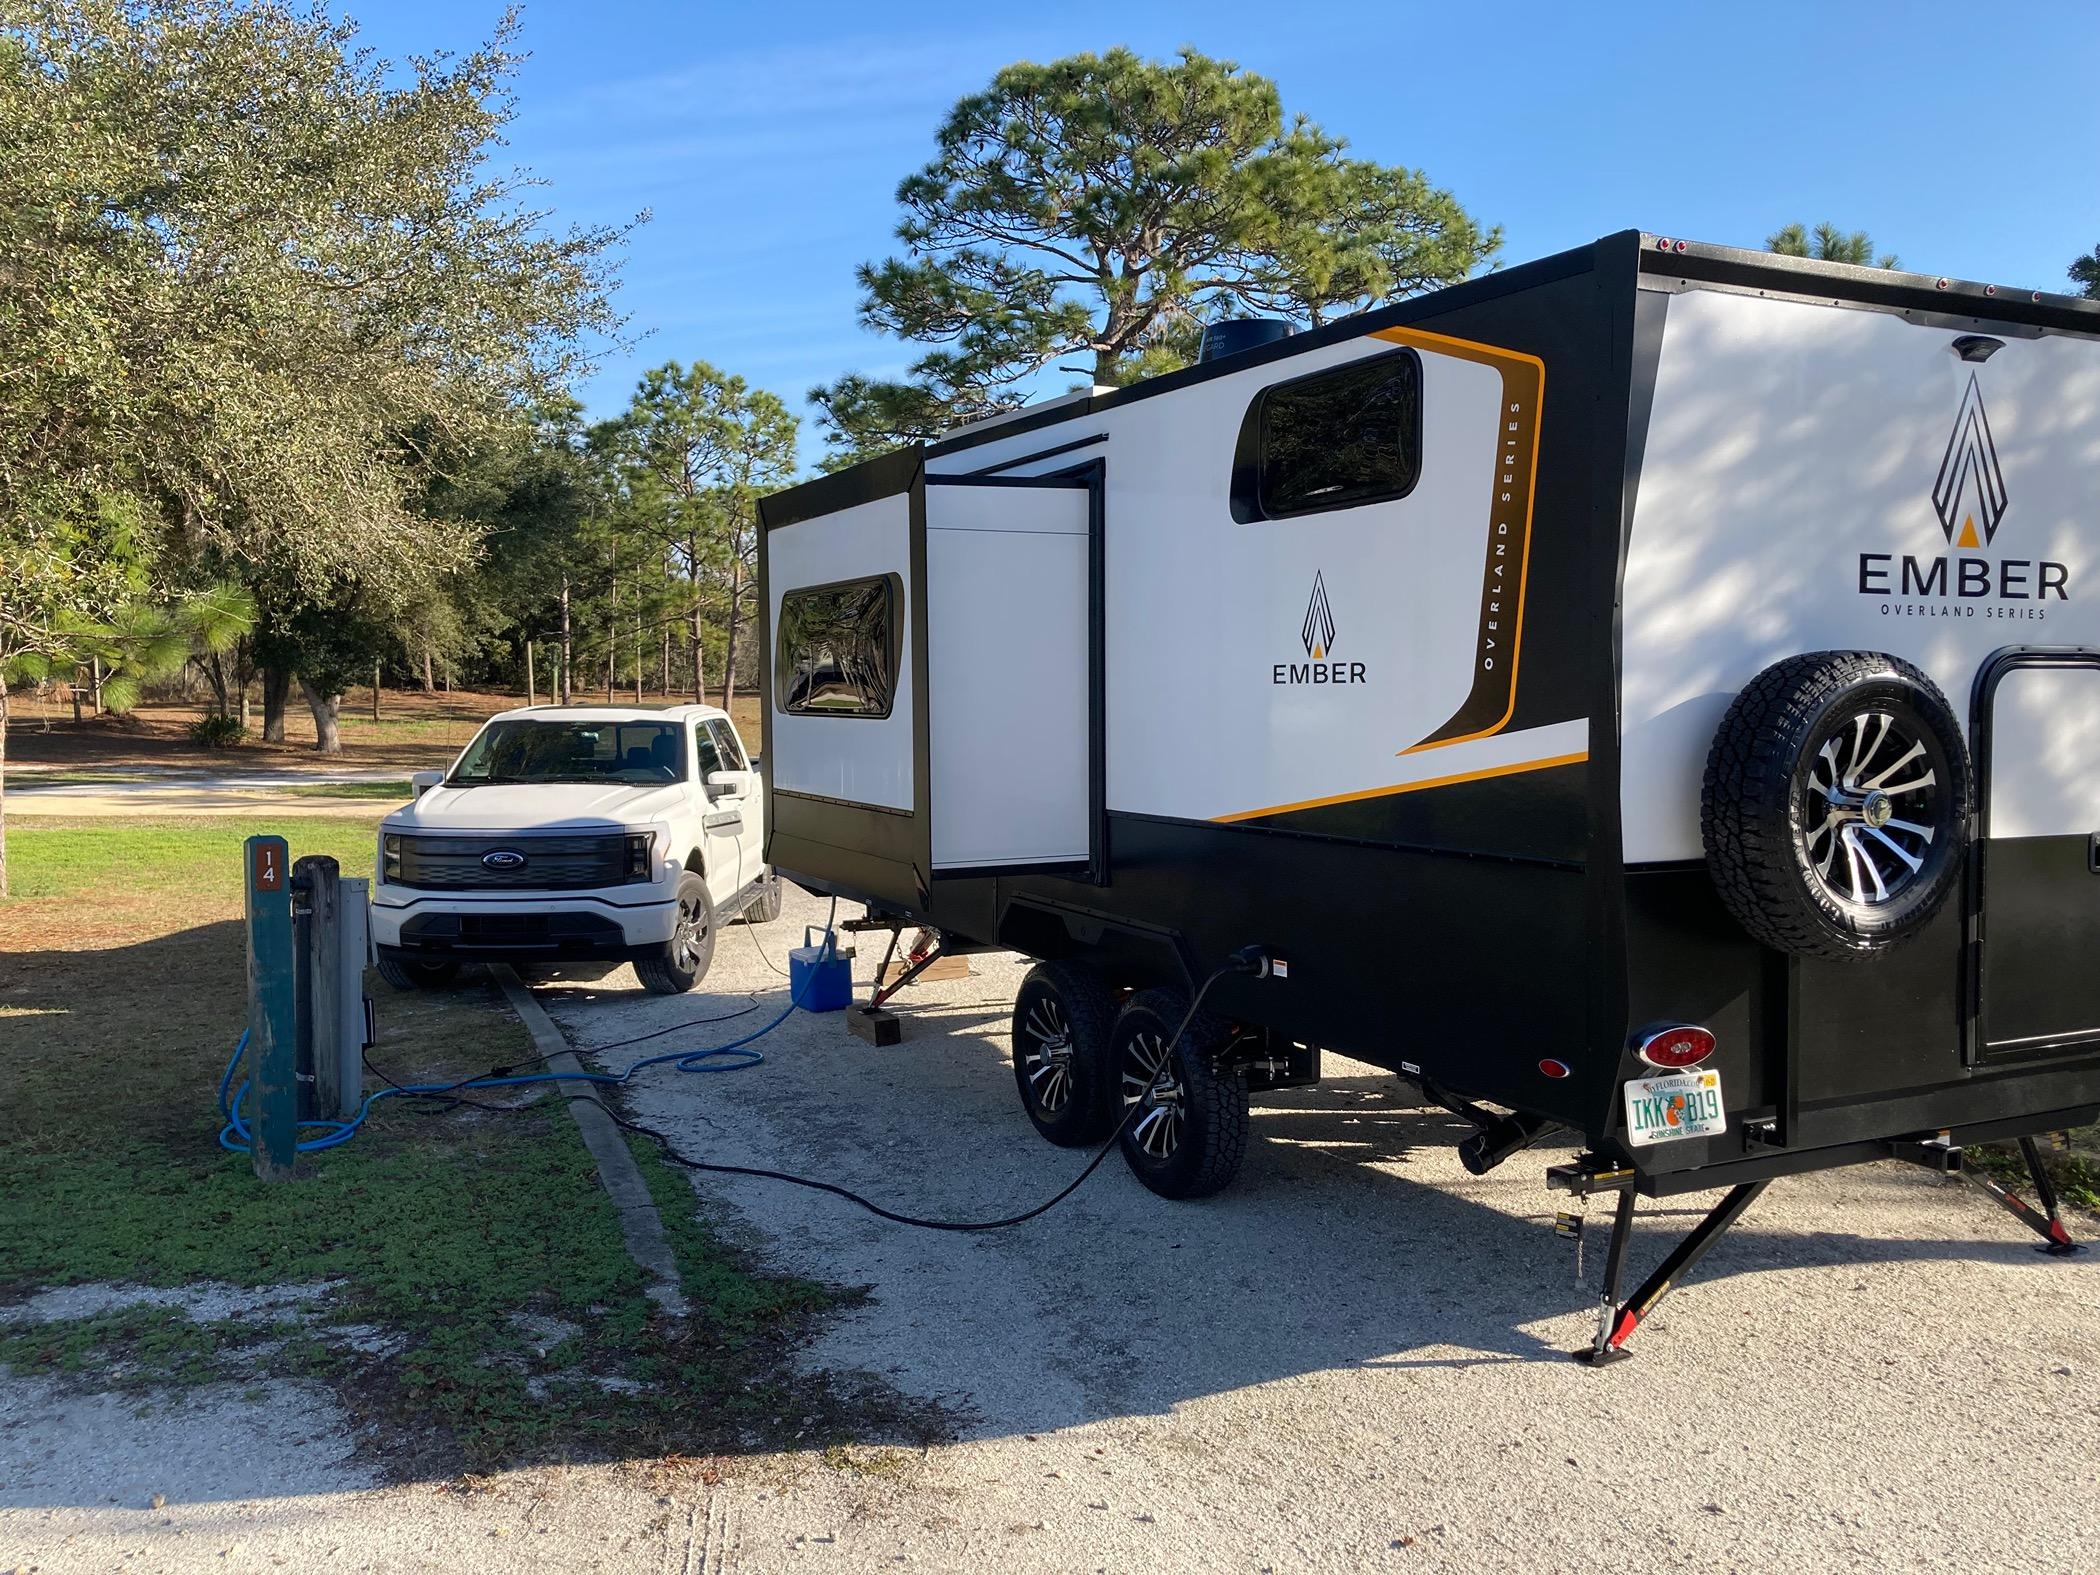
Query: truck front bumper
{"points": [[550, 926]]}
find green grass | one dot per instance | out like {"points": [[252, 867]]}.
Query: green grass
{"points": [[435, 1227], [200, 858], [393, 792]]}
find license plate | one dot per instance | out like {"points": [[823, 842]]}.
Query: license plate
{"points": [[1682, 1105]]}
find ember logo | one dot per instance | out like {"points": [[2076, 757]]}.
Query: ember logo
{"points": [[1969, 497], [1970, 484], [1318, 633]]}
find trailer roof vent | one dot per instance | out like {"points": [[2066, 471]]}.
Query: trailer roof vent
{"points": [[1241, 333]]}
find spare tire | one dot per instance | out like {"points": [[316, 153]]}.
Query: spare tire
{"points": [[1836, 804]]}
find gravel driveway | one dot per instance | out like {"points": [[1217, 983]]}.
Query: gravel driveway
{"points": [[1353, 1358]]}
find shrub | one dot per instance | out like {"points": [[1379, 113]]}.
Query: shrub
{"points": [[217, 732]]}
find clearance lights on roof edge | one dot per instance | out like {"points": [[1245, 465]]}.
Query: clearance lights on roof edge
{"points": [[1664, 243]]}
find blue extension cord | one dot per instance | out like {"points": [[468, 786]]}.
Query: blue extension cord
{"points": [[234, 1135]]}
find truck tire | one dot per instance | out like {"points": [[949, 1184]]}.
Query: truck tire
{"points": [[412, 973], [1062, 1017], [1836, 804], [681, 962], [765, 907], [1184, 1117]]}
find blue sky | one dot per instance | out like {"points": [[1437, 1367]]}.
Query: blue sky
{"points": [[768, 140]]}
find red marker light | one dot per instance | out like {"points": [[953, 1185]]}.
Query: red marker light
{"points": [[1678, 246], [1675, 1048], [1553, 1068]]}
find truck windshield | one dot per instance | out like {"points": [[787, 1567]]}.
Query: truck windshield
{"points": [[524, 750]]}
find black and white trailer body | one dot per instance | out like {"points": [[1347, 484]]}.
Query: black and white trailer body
{"points": [[1654, 690]]}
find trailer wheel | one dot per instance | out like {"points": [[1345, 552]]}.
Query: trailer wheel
{"points": [[1062, 1018], [1836, 804], [1184, 1128]]}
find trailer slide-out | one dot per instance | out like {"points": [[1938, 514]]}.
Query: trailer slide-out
{"points": [[1654, 691]]}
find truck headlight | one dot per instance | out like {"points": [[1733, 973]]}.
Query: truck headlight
{"points": [[640, 844], [389, 857]]}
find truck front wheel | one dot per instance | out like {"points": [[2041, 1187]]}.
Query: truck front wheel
{"points": [[414, 973], [681, 962]]}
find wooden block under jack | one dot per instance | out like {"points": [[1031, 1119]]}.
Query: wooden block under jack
{"points": [[939, 968], [878, 1025]]}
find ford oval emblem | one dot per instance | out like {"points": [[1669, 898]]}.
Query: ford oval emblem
{"points": [[503, 859]]}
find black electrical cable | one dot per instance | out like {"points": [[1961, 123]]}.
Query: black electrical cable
{"points": [[670, 1151], [442, 1102]]}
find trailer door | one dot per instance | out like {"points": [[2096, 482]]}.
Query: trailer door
{"points": [[2036, 883], [1010, 678]]}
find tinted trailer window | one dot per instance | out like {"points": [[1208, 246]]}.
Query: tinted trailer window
{"points": [[838, 649]]}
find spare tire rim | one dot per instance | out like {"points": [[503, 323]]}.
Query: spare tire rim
{"points": [[1151, 1082], [1049, 1051], [1873, 793]]}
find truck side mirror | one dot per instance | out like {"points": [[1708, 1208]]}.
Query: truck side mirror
{"points": [[726, 784], [423, 781]]}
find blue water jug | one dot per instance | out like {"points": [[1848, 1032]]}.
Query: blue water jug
{"points": [[817, 976]]}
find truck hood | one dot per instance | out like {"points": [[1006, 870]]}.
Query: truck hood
{"points": [[546, 806]]}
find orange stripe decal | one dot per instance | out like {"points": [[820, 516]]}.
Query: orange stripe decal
{"points": [[1511, 769], [1493, 699]]}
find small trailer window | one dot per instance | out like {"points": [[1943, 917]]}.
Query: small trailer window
{"points": [[1334, 440], [837, 654]]}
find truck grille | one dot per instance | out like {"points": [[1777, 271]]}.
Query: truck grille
{"points": [[550, 863]]}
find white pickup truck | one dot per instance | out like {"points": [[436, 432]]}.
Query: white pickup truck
{"points": [[567, 834]]}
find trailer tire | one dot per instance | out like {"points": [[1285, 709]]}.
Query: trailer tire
{"points": [[682, 961], [1189, 1139], [1823, 733], [414, 973], [1062, 1017]]}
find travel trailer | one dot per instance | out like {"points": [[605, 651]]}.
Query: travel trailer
{"points": [[1654, 691]]}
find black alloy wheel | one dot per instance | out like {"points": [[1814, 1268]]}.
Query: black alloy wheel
{"points": [[1183, 1106], [1062, 1017]]}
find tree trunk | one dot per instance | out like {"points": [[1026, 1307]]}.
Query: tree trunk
{"points": [[429, 683], [277, 688], [565, 652], [638, 645], [3, 779], [95, 670], [375, 691], [76, 694], [692, 569], [531, 695], [215, 675], [665, 671], [729, 647], [328, 738], [244, 710]]}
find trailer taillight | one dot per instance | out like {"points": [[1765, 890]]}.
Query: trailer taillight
{"points": [[1677, 1047]]}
